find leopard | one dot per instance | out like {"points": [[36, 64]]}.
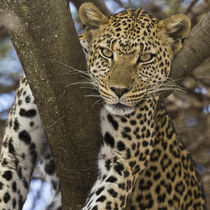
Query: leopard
{"points": [[142, 162]]}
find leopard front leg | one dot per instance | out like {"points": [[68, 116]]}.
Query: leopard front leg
{"points": [[123, 155], [47, 167], [114, 182], [21, 150]]}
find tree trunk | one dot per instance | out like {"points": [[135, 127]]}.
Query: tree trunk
{"points": [[44, 38]]}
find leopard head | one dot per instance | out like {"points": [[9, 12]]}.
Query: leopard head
{"points": [[130, 53]]}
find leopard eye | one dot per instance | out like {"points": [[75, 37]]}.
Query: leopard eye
{"points": [[106, 52], [145, 57]]}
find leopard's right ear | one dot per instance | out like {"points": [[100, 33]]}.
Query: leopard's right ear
{"points": [[91, 16]]}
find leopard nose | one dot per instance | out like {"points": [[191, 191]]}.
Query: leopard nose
{"points": [[119, 91]]}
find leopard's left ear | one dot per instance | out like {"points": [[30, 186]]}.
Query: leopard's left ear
{"points": [[176, 28], [91, 16]]}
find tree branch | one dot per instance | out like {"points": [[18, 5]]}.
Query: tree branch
{"points": [[192, 4], [194, 52]]}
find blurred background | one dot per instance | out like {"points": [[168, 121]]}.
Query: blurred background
{"points": [[189, 110]]}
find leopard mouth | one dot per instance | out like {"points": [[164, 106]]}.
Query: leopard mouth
{"points": [[119, 109]]}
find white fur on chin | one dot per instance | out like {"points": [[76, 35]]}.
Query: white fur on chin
{"points": [[118, 110]]}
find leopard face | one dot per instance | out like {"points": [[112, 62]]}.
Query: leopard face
{"points": [[130, 54]]}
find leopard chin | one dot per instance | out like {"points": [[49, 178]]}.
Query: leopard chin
{"points": [[119, 109]]}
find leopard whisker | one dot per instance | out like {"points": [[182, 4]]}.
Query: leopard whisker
{"points": [[174, 80], [73, 68], [90, 87], [81, 83], [95, 96], [99, 101], [164, 89], [170, 82], [173, 86]]}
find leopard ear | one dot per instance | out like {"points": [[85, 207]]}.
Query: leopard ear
{"points": [[91, 16], [176, 28]]}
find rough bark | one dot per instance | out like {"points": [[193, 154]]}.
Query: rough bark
{"points": [[3, 31], [2, 127], [194, 52], [44, 35]]}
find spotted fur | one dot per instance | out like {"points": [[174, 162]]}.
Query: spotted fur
{"points": [[24, 148]]}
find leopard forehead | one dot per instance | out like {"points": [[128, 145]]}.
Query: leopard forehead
{"points": [[128, 29], [129, 34]]}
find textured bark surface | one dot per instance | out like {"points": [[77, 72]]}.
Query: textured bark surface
{"points": [[44, 35], [2, 126], [195, 51]]}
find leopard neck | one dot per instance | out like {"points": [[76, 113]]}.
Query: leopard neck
{"points": [[131, 137]]}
